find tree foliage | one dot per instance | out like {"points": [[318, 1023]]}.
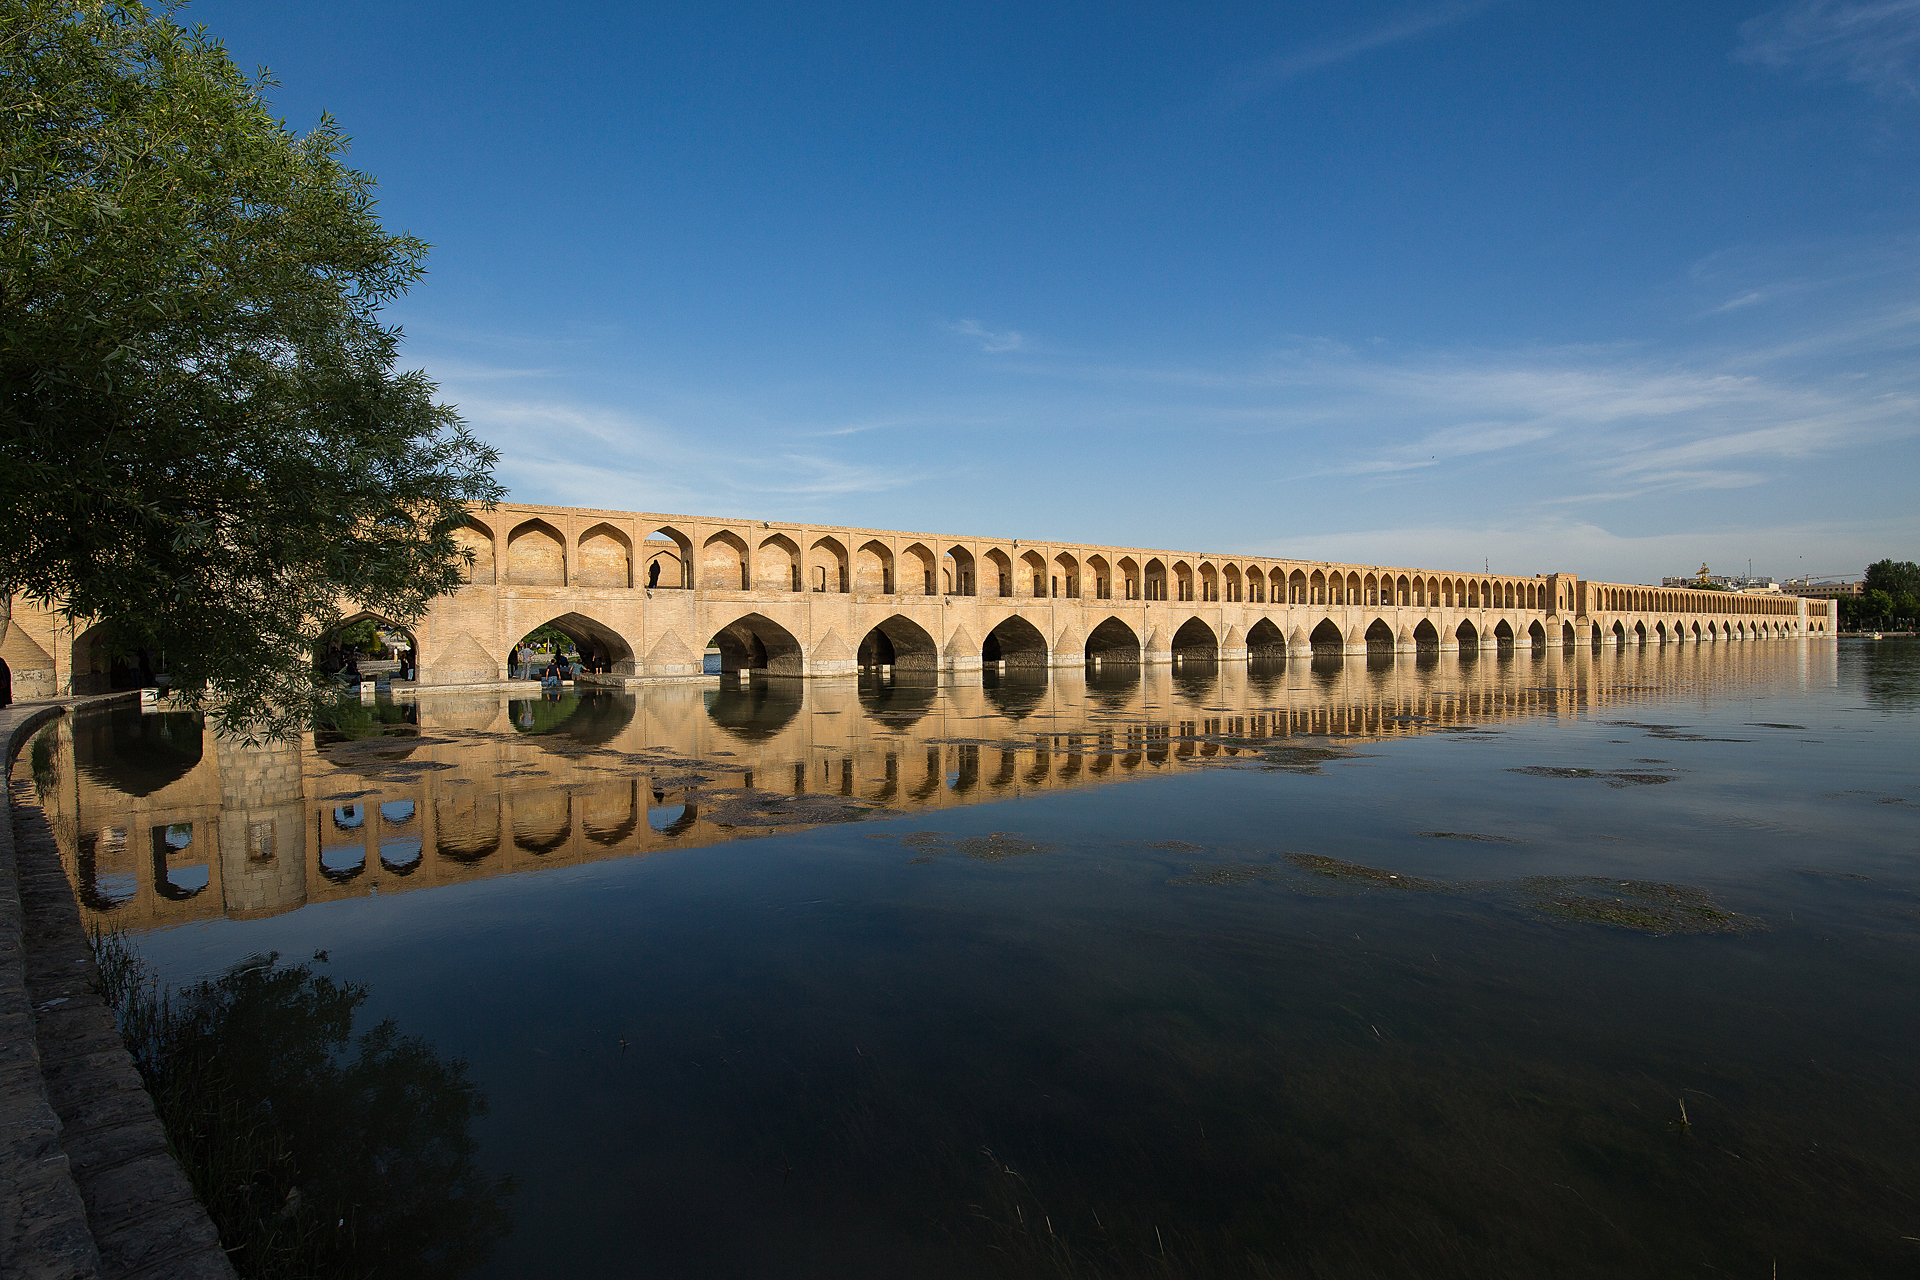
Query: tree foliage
{"points": [[1895, 577], [204, 440]]}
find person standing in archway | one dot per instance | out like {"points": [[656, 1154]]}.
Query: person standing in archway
{"points": [[653, 573]]}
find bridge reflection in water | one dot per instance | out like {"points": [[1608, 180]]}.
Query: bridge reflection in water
{"points": [[159, 824]]}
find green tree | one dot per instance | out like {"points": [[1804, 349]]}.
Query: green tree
{"points": [[204, 441], [1895, 577]]}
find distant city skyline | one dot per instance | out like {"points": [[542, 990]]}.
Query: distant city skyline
{"points": [[1609, 289]]}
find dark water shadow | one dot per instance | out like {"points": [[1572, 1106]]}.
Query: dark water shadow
{"points": [[137, 754], [753, 710], [1016, 692], [900, 701]]}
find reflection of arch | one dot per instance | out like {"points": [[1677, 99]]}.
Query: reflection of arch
{"points": [[901, 644], [605, 558], [754, 710], [467, 829], [542, 820], [756, 642], [1425, 636], [673, 821], [136, 754], [610, 815], [1379, 637], [1113, 641], [1328, 638], [400, 857], [1265, 639], [1195, 639], [1016, 642], [166, 843], [536, 556]]}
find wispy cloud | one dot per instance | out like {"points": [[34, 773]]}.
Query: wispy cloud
{"points": [[1875, 44], [1005, 340], [1253, 81]]}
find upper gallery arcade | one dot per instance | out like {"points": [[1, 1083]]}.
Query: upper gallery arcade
{"points": [[648, 593]]}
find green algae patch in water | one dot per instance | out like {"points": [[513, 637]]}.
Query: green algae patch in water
{"points": [[1467, 835], [1613, 778], [1357, 874], [1647, 906]]}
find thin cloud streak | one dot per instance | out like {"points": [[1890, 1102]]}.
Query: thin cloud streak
{"points": [[1252, 83], [1876, 45], [1006, 340]]}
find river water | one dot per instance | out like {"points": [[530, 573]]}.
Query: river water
{"points": [[1503, 965]]}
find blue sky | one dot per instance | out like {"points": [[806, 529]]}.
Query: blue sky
{"points": [[1610, 288]]}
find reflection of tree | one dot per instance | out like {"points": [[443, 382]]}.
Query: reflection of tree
{"points": [[315, 1150], [1891, 674]]}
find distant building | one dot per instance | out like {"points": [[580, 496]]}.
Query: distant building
{"points": [[1825, 590], [1725, 581]]}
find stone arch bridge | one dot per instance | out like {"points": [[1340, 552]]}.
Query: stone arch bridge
{"points": [[649, 594]]}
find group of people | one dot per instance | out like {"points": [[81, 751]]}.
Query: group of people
{"points": [[343, 665]]}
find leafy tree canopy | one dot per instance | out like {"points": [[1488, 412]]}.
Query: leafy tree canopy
{"points": [[204, 440], [1895, 577]]}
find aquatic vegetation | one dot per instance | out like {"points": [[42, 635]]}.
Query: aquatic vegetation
{"points": [[1356, 873], [1613, 778], [1648, 906], [1467, 835], [1228, 873]]}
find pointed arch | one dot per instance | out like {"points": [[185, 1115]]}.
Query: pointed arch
{"points": [[536, 555], [665, 560], [1113, 641], [1196, 640], [1503, 634], [901, 643], [1266, 640], [918, 571], [1066, 569], [1156, 579], [1033, 573], [873, 569], [1328, 637], [999, 571], [1426, 636], [777, 567], [724, 564], [957, 569], [1379, 637], [1467, 635], [755, 642], [1016, 642], [604, 557], [828, 571], [1129, 571], [476, 538], [1537, 634]]}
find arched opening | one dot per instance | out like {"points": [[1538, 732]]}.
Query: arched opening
{"points": [[1129, 569], [1537, 634], [917, 573], [1113, 641], [1209, 579], [1466, 636], [1033, 575], [1100, 578], [592, 646], [756, 642], [369, 643], [1266, 640], [1156, 579], [1425, 636], [1066, 576], [1328, 638], [476, 538], [899, 643], [1016, 642], [1503, 634], [1195, 641], [102, 663], [777, 566], [1640, 632], [1379, 637], [536, 556], [827, 567], [956, 568], [668, 559], [723, 563], [605, 558], [873, 569], [1619, 633]]}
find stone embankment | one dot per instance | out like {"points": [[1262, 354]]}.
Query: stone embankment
{"points": [[87, 1185]]}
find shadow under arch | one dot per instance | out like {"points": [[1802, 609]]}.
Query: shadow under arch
{"points": [[1266, 640], [594, 717], [601, 646], [1327, 639], [1425, 636], [1016, 642], [1379, 638], [1196, 640], [136, 754], [1503, 634], [753, 710], [755, 642], [1113, 641], [1467, 636], [900, 643]]}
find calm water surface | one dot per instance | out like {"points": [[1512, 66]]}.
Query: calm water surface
{"points": [[1372, 969]]}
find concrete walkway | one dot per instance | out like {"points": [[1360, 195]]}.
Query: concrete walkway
{"points": [[87, 1186]]}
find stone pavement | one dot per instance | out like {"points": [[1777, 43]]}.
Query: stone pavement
{"points": [[87, 1185]]}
